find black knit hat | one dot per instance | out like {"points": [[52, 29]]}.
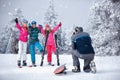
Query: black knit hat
{"points": [[79, 29]]}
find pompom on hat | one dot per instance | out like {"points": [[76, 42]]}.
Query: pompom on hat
{"points": [[24, 21], [47, 26]]}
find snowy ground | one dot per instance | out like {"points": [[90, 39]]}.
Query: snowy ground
{"points": [[108, 68]]}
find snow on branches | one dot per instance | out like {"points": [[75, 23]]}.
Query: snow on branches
{"points": [[105, 27]]}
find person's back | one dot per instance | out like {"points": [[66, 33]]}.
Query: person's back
{"points": [[82, 41], [82, 48]]}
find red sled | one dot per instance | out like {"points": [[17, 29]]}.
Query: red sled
{"points": [[61, 69]]}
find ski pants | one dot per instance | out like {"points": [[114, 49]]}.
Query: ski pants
{"points": [[32, 50], [22, 50], [50, 48], [87, 58]]}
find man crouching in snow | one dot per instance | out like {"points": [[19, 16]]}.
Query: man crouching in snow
{"points": [[82, 48]]}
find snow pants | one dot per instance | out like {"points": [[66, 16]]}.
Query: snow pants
{"points": [[32, 50], [22, 51], [50, 48], [87, 58]]}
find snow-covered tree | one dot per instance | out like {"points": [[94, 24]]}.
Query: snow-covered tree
{"points": [[51, 19], [13, 40], [51, 15], [5, 33], [105, 27], [10, 34]]}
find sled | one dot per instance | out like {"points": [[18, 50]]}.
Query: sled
{"points": [[61, 69]]}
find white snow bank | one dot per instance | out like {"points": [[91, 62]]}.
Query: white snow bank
{"points": [[108, 68]]}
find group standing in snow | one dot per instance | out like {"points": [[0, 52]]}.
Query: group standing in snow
{"points": [[33, 31], [81, 44]]}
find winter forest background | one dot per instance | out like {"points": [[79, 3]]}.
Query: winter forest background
{"points": [[101, 18]]}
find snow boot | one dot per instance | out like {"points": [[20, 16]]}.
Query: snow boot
{"points": [[33, 64], [76, 69], [24, 63], [87, 69], [19, 64], [93, 67], [49, 63]]}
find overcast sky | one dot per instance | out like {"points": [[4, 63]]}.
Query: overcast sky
{"points": [[70, 12]]}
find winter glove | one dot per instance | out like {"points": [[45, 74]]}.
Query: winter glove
{"points": [[29, 28], [60, 24], [29, 24], [40, 27], [74, 46], [16, 20]]}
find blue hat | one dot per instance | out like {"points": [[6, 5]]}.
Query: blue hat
{"points": [[24, 21], [33, 22]]}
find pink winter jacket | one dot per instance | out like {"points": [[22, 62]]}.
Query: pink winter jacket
{"points": [[51, 40], [23, 33]]}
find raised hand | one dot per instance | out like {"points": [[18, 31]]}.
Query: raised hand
{"points": [[60, 24], [16, 20]]}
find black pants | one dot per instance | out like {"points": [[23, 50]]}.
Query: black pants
{"points": [[87, 58]]}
